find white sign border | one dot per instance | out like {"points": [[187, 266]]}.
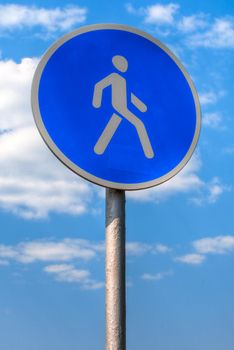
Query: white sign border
{"points": [[52, 146]]}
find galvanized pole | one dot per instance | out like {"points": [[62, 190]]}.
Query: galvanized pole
{"points": [[115, 270]]}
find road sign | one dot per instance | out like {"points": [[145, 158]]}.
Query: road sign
{"points": [[116, 106]]}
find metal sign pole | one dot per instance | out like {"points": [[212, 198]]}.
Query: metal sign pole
{"points": [[115, 270]]}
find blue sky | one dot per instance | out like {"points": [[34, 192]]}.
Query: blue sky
{"points": [[180, 235]]}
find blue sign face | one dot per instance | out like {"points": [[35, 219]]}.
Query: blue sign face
{"points": [[116, 107]]}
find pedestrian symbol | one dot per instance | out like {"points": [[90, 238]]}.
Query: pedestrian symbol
{"points": [[119, 103], [116, 106]]}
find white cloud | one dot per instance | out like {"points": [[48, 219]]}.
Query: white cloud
{"points": [[156, 277], [15, 90], [157, 14], [33, 183], [161, 14], [59, 252], [7, 252], [208, 245], [220, 35], [229, 150], [214, 245], [216, 189], [208, 98], [192, 23], [68, 273], [139, 248], [191, 259], [197, 29], [51, 250], [161, 248], [4, 263], [14, 16], [169, 16], [213, 120], [131, 9], [211, 193], [57, 268]]}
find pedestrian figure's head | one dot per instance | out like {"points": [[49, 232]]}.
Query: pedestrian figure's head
{"points": [[120, 63]]}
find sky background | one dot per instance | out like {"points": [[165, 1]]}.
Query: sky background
{"points": [[180, 235]]}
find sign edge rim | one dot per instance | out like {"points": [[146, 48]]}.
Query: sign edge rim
{"points": [[59, 154]]}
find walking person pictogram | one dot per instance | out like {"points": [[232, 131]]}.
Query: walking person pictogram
{"points": [[119, 103]]}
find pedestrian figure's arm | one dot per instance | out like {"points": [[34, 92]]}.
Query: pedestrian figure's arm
{"points": [[98, 89], [138, 103]]}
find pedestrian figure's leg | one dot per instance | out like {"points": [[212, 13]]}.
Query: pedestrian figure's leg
{"points": [[107, 134], [146, 145], [142, 133]]}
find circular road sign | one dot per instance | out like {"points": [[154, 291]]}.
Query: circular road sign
{"points": [[116, 106]]}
